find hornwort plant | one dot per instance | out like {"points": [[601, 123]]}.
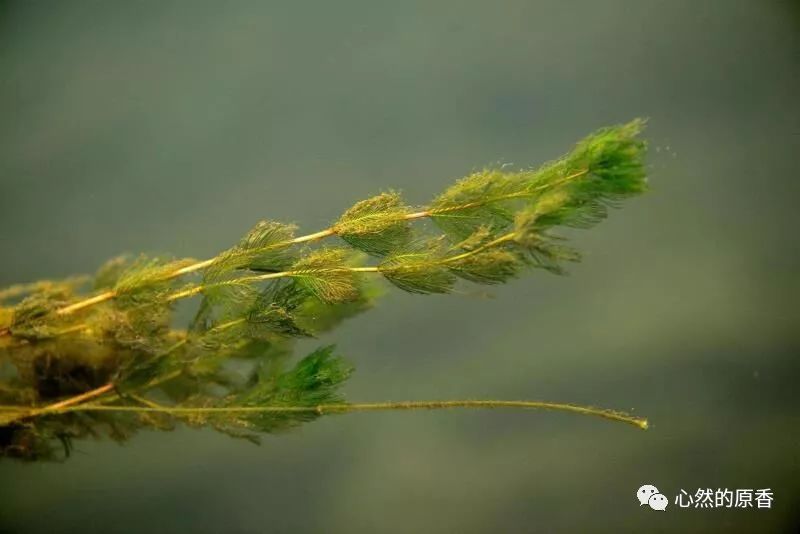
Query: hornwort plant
{"points": [[110, 362]]}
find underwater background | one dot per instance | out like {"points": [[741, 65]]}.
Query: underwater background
{"points": [[175, 126]]}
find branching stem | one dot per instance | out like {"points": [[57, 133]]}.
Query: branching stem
{"points": [[493, 243], [194, 267], [322, 409], [489, 227], [78, 398]]}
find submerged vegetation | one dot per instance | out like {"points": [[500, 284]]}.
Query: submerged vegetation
{"points": [[101, 355]]}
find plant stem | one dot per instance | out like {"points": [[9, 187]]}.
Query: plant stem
{"points": [[509, 196], [102, 297], [192, 291], [197, 266], [256, 278], [322, 409], [57, 407], [78, 398], [493, 243]]}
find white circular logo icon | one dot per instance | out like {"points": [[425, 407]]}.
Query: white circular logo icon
{"points": [[649, 495]]}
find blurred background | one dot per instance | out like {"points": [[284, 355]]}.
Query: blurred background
{"points": [[175, 126]]}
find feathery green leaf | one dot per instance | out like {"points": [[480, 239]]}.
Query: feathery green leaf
{"points": [[325, 273], [419, 270], [264, 248], [376, 225]]}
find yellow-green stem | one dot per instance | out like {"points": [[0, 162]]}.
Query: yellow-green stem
{"points": [[322, 409], [493, 243], [109, 295]]}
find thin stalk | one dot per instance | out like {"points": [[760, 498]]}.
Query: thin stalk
{"points": [[197, 266], [190, 292], [509, 196], [72, 401], [150, 385], [85, 303], [58, 407], [493, 243], [321, 409], [147, 402], [330, 231]]}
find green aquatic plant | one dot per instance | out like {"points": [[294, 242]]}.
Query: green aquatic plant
{"points": [[110, 362]]}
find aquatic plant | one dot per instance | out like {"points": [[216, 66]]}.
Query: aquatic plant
{"points": [[110, 361]]}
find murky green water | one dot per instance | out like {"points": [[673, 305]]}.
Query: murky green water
{"points": [[146, 126]]}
